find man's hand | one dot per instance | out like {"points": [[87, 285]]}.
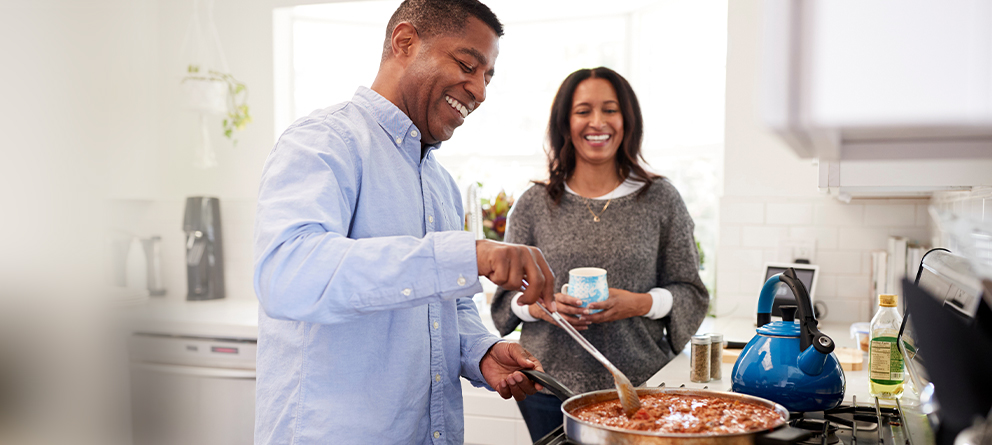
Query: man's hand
{"points": [[570, 309], [501, 368], [621, 304], [517, 267]]}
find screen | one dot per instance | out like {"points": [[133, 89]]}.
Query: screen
{"points": [[783, 294]]}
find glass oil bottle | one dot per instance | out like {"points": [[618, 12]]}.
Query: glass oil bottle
{"points": [[886, 368]]}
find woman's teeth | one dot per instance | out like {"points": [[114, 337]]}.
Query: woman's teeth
{"points": [[597, 137], [457, 106]]}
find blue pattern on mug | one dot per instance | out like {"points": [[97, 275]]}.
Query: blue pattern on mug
{"points": [[587, 284]]}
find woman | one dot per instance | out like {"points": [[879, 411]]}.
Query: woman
{"points": [[601, 208]]}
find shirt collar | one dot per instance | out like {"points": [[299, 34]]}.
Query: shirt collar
{"points": [[393, 120]]}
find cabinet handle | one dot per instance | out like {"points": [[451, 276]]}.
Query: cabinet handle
{"points": [[197, 371]]}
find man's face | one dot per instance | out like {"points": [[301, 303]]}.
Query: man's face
{"points": [[447, 80]]}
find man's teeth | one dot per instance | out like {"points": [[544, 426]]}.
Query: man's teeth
{"points": [[457, 106], [597, 137]]}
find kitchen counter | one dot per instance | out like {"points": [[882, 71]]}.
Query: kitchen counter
{"points": [[676, 372], [223, 318]]}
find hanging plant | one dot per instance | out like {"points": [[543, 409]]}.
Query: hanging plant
{"points": [[217, 92]]}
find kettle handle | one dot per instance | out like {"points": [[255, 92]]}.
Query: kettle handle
{"points": [[809, 334]]}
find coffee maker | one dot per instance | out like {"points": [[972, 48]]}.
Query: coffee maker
{"points": [[204, 249]]}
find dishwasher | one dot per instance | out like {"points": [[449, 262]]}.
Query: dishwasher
{"points": [[192, 390]]}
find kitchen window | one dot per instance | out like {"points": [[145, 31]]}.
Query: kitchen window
{"points": [[672, 52]]}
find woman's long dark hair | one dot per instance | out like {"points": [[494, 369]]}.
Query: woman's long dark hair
{"points": [[561, 152]]}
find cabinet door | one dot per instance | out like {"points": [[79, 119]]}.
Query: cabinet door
{"points": [[190, 405], [889, 63]]}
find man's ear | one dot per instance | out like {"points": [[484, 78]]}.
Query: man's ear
{"points": [[405, 41]]}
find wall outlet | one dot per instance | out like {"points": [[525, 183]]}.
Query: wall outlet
{"points": [[792, 249]]}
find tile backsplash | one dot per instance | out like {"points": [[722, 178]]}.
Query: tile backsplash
{"points": [[756, 230], [145, 218]]}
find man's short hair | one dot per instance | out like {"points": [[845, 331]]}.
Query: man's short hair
{"points": [[439, 17]]}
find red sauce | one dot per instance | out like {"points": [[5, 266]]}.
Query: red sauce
{"points": [[683, 414]]}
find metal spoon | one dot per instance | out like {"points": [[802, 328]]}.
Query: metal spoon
{"points": [[628, 395]]}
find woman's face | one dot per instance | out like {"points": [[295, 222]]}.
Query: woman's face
{"points": [[596, 123]]}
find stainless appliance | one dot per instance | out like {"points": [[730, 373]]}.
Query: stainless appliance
{"points": [[192, 390], [204, 249]]}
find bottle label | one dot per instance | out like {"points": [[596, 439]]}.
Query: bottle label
{"points": [[885, 361]]}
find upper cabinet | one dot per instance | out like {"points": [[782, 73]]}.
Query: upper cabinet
{"points": [[893, 97]]}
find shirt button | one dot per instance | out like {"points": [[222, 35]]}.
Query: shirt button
{"points": [[399, 140], [461, 281], [437, 377], [437, 434], [430, 218], [406, 292], [413, 133], [436, 325]]}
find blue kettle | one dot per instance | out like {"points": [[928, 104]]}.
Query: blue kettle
{"points": [[789, 362]]}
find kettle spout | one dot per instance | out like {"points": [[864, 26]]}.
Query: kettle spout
{"points": [[811, 361]]}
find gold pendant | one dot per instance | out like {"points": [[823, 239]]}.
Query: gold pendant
{"points": [[595, 218]]}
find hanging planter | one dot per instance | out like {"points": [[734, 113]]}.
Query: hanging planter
{"points": [[209, 88]]}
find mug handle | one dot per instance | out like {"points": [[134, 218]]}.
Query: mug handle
{"points": [[564, 288]]}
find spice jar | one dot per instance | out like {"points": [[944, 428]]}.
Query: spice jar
{"points": [[716, 356], [699, 371]]}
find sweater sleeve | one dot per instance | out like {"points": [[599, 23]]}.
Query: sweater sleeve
{"points": [[678, 271], [519, 225]]}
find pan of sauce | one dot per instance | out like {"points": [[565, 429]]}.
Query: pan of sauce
{"points": [[670, 416]]}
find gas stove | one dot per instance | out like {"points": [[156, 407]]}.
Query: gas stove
{"points": [[855, 423]]}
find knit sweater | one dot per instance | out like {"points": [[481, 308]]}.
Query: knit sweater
{"points": [[643, 242]]}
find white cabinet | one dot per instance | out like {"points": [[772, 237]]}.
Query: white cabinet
{"points": [[893, 97]]}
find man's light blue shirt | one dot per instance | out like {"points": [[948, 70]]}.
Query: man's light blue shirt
{"points": [[365, 280]]}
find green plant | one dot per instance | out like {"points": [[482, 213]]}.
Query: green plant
{"points": [[494, 212], [238, 116]]}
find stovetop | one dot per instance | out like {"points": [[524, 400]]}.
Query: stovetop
{"points": [[850, 424]]}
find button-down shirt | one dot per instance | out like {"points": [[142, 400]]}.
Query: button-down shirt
{"points": [[365, 280]]}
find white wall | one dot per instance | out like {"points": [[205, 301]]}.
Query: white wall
{"points": [[770, 197]]}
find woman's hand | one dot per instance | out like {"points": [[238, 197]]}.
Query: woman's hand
{"points": [[621, 304], [570, 309]]}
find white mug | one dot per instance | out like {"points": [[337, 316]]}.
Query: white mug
{"points": [[587, 284]]}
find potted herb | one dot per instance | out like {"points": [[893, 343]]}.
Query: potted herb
{"points": [[214, 92]]}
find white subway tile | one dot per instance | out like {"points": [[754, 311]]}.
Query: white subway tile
{"points": [[915, 234], [830, 214], [922, 215], [839, 262], [730, 235], [736, 305], [762, 236], [877, 215], [742, 213], [775, 255], [843, 311], [861, 238], [853, 287], [740, 260], [826, 237], [788, 213], [728, 281], [826, 286]]}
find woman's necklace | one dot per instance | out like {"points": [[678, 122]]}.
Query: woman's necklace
{"points": [[595, 217]]}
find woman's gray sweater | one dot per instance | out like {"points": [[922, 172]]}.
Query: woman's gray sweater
{"points": [[643, 242]]}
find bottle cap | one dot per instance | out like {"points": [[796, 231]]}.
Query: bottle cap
{"points": [[886, 300], [702, 339], [716, 338]]}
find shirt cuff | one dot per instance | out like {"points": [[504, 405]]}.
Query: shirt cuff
{"points": [[522, 312], [661, 304], [456, 263]]}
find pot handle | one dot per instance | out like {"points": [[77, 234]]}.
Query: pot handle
{"points": [[553, 385]]}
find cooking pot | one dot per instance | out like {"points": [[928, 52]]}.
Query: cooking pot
{"points": [[589, 433]]}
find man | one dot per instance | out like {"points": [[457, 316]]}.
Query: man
{"points": [[361, 267]]}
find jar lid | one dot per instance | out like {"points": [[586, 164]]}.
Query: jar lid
{"points": [[886, 300], [702, 339], [715, 337]]}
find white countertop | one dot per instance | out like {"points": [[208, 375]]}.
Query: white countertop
{"points": [[676, 372], [223, 318]]}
